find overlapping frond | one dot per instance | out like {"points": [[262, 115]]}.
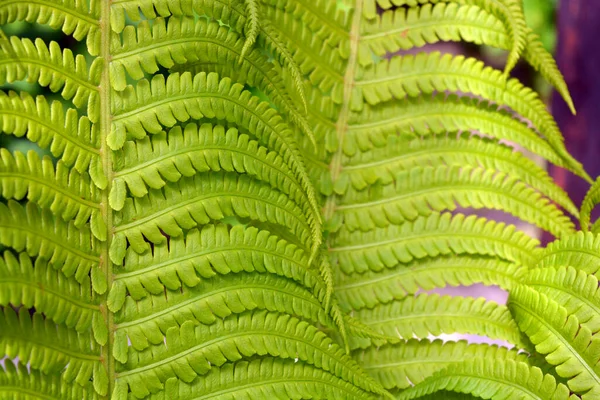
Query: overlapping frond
{"points": [[558, 335], [579, 251], [187, 44], [174, 248], [574, 290], [244, 335]]}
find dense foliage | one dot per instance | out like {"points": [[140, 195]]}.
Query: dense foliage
{"points": [[257, 199]]}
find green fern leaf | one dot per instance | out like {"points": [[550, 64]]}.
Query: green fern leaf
{"points": [[579, 251], [71, 138], [381, 164], [438, 234], [592, 198], [148, 320], [441, 114], [185, 44], [559, 336], [66, 193], [574, 290], [37, 284], [51, 348], [184, 152], [439, 73], [76, 18], [422, 191], [244, 335], [202, 199], [266, 377], [424, 315], [415, 27], [368, 289], [55, 68], [193, 102], [206, 253], [492, 379], [253, 25], [15, 381], [38, 232], [400, 366]]}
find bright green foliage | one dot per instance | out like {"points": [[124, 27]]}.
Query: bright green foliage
{"points": [[255, 199]]}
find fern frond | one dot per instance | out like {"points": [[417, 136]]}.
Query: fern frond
{"points": [[266, 377], [167, 157], [186, 44], [403, 29], [592, 198], [276, 47], [66, 193], [422, 191], [573, 289], [371, 288], [579, 251], [323, 66], [328, 22], [252, 11], [199, 200], [73, 139], [381, 164], [438, 234], [559, 336], [397, 78], [55, 68], [146, 321], [398, 366], [204, 96], [23, 282], [216, 249], [15, 381], [492, 379], [441, 114], [231, 339], [510, 12], [51, 348], [39, 233], [76, 18], [424, 315]]}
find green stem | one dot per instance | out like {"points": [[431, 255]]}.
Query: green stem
{"points": [[107, 165], [335, 167]]}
